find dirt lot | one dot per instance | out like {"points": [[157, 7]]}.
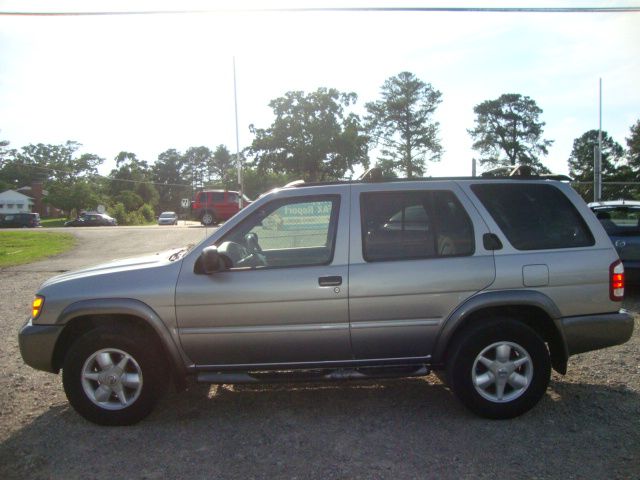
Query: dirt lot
{"points": [[587, 426]]}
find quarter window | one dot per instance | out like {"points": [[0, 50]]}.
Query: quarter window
{"points": [[534, 216], [415, 224]]}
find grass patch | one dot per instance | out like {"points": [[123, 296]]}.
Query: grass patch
{"points": [[17, 248]]}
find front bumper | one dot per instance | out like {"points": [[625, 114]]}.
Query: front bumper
{"points": [[593, 332], [37, 344]]}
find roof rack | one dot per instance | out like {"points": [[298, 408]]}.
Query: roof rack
{"points": [[374, 175]]}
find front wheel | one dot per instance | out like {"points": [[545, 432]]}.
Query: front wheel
{"points": [[499, 369], [110, 379]]}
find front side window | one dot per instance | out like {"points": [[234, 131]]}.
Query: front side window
{"points": [[285, 233], [534, 216], [412, 225]]}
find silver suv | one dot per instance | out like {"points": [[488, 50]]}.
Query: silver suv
{"points": [[492, 282]]}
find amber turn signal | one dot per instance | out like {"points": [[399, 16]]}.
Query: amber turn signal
{"points": [[36, 307]]}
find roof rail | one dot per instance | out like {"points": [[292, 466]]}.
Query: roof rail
{"points": [[374, 175], [523, 172]]}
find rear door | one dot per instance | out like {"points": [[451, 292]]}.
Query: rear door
{"points": [[416, 253]]}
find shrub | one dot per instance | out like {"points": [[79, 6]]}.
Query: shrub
{"points": [[147, 213], [119, 213]]}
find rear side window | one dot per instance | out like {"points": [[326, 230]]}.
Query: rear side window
{"points": [[413, 225], [534, 216]]}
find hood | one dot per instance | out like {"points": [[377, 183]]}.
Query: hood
{"points": [[113, 266]]}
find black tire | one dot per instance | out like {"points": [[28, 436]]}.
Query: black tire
{"points": [[524, 375], [140, 382], [208, 218]]}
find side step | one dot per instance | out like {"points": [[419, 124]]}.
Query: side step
{"points": [[311, 375]]}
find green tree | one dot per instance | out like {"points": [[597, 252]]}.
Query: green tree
{"points": [[582, 154], [131, 182], [508, 132], [312, 136], [198, 161], [258, 182], [222, 165], [169, 173], [614, 168], [633, 146], [79, 195], [401, 125], [4, 153], [49, 164]]}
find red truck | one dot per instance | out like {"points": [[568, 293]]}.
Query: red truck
{"points": [[214, 206]]}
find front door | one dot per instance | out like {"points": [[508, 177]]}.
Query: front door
{"points": [[284, 299]]}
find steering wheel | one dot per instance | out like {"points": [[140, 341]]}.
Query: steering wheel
{"points": [[241, 256], [251, 242], [234, 251]]}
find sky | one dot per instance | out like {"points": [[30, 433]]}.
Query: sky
{"points": [[147, 83]]}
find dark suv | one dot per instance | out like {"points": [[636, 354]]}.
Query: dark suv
{"points": [[214, 206], [20, 220]]}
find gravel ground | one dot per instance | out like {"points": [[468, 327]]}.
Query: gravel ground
{"points": [[587, 426]]}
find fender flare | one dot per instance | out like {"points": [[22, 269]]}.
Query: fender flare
{"points": [[491, 299], [132, 307]]}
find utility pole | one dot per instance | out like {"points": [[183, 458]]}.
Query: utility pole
{"points": [[597, 160], [238, 164]]}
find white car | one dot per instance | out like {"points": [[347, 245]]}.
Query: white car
{"points": [[168, 218]]}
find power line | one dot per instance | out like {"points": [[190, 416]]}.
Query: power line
{"points": [[126, 180], [627, 9]]}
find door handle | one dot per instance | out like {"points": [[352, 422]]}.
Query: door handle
{"points": [[329, 281]]}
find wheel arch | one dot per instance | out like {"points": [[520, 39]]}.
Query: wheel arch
{"points": [[81, 317], [532, 308]]}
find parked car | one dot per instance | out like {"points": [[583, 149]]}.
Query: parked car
{"points": [[20, 220], [211, 207], [495, 282], [168, 218], [92, 220], [621, 221]]}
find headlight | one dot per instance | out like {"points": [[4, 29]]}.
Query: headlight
{"points": [[36, 306]]}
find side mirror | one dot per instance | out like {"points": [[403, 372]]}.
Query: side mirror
{"points": [[212, 261]]}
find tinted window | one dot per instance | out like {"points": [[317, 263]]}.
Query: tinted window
{"points": [[405, 225], [534, 216], [286, 233], [218, 197]]}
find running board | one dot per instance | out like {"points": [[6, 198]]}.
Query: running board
{"points": [[310, 375]]}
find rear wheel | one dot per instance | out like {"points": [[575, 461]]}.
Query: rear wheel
{"points": [[208, 218], [499, 369], [112, 378]]}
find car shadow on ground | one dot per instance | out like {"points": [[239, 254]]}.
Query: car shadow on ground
{"points": [[410, 428]]}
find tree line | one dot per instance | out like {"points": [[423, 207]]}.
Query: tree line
{"points": [[314, 136]]}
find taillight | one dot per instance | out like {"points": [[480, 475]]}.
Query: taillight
{"points": [[616, 281]]}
